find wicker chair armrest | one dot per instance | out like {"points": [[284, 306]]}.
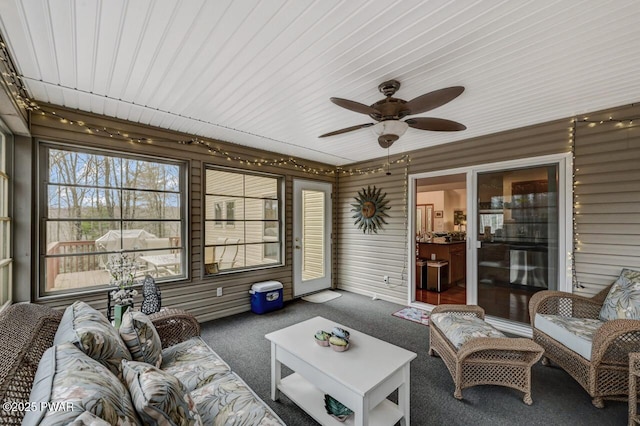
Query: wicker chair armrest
{"points": [[554, 302], [516, 349], [175, 326], [614, 340], [459, 309]]}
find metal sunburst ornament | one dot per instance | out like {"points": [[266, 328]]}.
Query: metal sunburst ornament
{"points": [[370, 209]]}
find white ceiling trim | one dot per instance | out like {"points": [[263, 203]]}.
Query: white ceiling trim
{"points": [[260, 74]]}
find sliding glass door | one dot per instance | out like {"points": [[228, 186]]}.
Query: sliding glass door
{"points": [[514, 229], [517, 238]]}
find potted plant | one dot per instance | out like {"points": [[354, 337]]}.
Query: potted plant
{"points": [[123, 272]]}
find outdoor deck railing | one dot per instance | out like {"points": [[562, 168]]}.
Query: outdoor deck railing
{"points": [[70, 256]]}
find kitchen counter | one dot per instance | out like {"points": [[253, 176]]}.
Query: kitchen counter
{"points": [[454, 252], [444, 242]]}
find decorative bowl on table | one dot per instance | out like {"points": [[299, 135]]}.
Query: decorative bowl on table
{"points": [[336, 409], [338, 344], [322, 338], [340, 332]]}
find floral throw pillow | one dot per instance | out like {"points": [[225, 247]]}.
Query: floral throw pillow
{"points": [[623, 300], [92, 333], [159, 397], [81, 388], [142, 339]]}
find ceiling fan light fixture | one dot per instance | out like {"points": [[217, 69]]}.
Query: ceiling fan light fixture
{"points": [[390, 127], [389, 111], [389, 131]]}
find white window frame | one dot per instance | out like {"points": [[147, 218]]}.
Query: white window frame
{"points": [[6, 258]]}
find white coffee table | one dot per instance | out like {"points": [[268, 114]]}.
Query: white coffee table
{"points": [[361, 378]]}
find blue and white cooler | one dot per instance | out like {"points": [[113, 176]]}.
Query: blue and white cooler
{"points": [[266, 296]]}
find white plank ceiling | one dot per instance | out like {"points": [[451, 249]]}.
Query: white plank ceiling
{"points": [[260, 73]]}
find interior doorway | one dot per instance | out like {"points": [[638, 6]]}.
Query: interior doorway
{"points": [[440, 239]]}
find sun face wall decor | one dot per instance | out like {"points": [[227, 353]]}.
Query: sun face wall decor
{"points": [[370, 209]]}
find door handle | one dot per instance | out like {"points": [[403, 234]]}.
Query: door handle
{"points": [[298, 247]]}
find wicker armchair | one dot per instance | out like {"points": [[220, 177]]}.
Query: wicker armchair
{"points": [[606, 375], [174, 326], [26, 331]]}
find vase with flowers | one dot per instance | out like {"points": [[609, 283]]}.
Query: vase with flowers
{"points": [[123, 270]]}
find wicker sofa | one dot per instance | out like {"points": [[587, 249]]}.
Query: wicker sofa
{"points": [[598, 359], [212, 392]]}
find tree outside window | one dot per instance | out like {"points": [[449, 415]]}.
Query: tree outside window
{"points": [[100, 204]]}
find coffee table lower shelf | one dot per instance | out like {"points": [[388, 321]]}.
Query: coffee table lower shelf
{"points": [[311, 399]]}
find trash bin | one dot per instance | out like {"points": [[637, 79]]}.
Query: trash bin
{"points": [[437, 275], [421, 273], [266, 296]]}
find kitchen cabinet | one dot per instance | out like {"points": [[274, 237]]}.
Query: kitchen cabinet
{"points": [[454, 252]]}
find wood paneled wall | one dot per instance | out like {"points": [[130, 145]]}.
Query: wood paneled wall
{"points": [[607, 190], [198, 293], [365, 259], [607, 216], [607, 197]]}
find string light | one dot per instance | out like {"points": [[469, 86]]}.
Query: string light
{"points": [[405, 210], [211, 147], [619, 122], [591, 123], [575, 246]]}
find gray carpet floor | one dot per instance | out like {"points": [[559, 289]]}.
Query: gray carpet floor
{"points": [[557, 398]]}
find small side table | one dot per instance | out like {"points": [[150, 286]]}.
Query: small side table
{"points": [[634, 372]]}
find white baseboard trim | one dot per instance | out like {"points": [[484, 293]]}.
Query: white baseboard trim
{"points": [[373, 294]]}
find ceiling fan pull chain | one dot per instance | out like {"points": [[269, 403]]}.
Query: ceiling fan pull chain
{"points": [[388, 163]]}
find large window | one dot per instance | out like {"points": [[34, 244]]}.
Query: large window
{"points": [[243, 225], [6, 282], [95, 205]]}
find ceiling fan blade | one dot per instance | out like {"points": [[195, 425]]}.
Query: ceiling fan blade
{"points": [[433, 100], [354, 106], [348, 129], [435, 124]]}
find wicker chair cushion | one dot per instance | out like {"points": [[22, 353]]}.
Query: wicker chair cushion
{"points": [[623, 300], [142, 339], [574, 333], [459, 329], [92, 333], [229, 401], [159, 397], [193, 362], [66, 375]]}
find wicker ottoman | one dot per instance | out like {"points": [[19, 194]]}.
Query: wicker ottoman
{"points": [[493, 359]]}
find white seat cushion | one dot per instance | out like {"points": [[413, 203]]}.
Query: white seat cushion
{"points": [[574, 333], [459, 329]]}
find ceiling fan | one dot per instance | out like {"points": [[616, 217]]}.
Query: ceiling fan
{"points": [[389, 111]]}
